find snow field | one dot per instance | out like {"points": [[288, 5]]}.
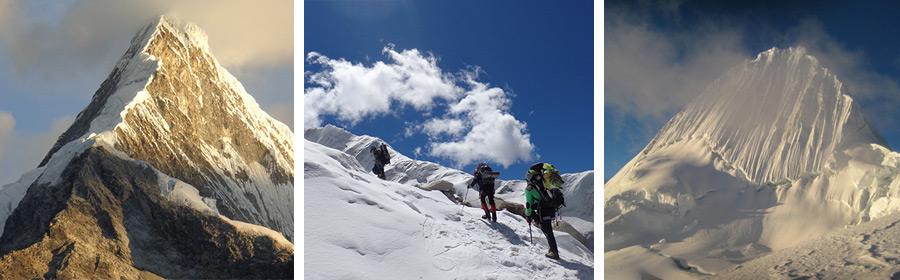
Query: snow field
{"points": [[360, 227]]}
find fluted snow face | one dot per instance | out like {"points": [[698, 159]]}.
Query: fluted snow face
{"points": [[778, 116]]}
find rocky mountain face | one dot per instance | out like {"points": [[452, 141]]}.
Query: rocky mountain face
{"points": [[171, 171], [194, 121]]}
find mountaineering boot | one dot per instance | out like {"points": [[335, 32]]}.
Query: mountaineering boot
{"points": [[486, 216], [552, 255]]}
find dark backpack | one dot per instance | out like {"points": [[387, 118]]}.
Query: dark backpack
{"points": [[487, 175], [385, 155], [556, 199]]}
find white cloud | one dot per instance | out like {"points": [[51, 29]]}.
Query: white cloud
{"points": [[436, 127], [353, 91], [24, 149], [495, 135], [476, 124]]}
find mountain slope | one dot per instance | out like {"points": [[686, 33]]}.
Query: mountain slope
{"points": [[170, 103], [771, 154], [775, 117], [171, 171], [866, 251], [578, 189], [358, 226]]}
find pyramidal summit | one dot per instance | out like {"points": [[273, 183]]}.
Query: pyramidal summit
{"points": [[774, 154], [171, 171]]}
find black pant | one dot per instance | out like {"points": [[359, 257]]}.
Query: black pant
{"points": [[547, 228], [378, 169], [489, 193]]}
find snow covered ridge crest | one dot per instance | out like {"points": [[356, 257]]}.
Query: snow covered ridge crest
{"points": [[775, 117]]}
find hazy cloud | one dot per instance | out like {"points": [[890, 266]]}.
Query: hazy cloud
{"points": [[23, 149], [7, 122], [651, 74], [655, 64], [474, 124], [283, 113], [241, 33], [879, 93]]}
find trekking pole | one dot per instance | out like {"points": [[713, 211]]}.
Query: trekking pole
{"points": [[529, 234]]}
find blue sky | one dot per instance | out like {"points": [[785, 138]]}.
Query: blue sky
{"points": [[535, 60], [54, 55], [660, 54]]}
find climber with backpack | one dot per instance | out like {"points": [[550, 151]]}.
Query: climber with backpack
{"points": [[484, 178], [382, 158], [543, 197]]}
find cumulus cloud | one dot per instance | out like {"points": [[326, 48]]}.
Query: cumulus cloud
{"points": [[353, 91], [495, 134], [241, 33], [474, 124], [21, 150]]}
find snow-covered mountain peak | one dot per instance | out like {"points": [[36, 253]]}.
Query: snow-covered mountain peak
{"points": [[170, 103], [172, 170], [778, 116], [773, 153]]}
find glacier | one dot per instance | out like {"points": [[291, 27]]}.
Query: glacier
{"points": [[772, 154], [400, 229]]}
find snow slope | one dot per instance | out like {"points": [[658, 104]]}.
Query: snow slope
{"points": [[867, 251], [772, 154], [578, 189], [396, 230]]}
